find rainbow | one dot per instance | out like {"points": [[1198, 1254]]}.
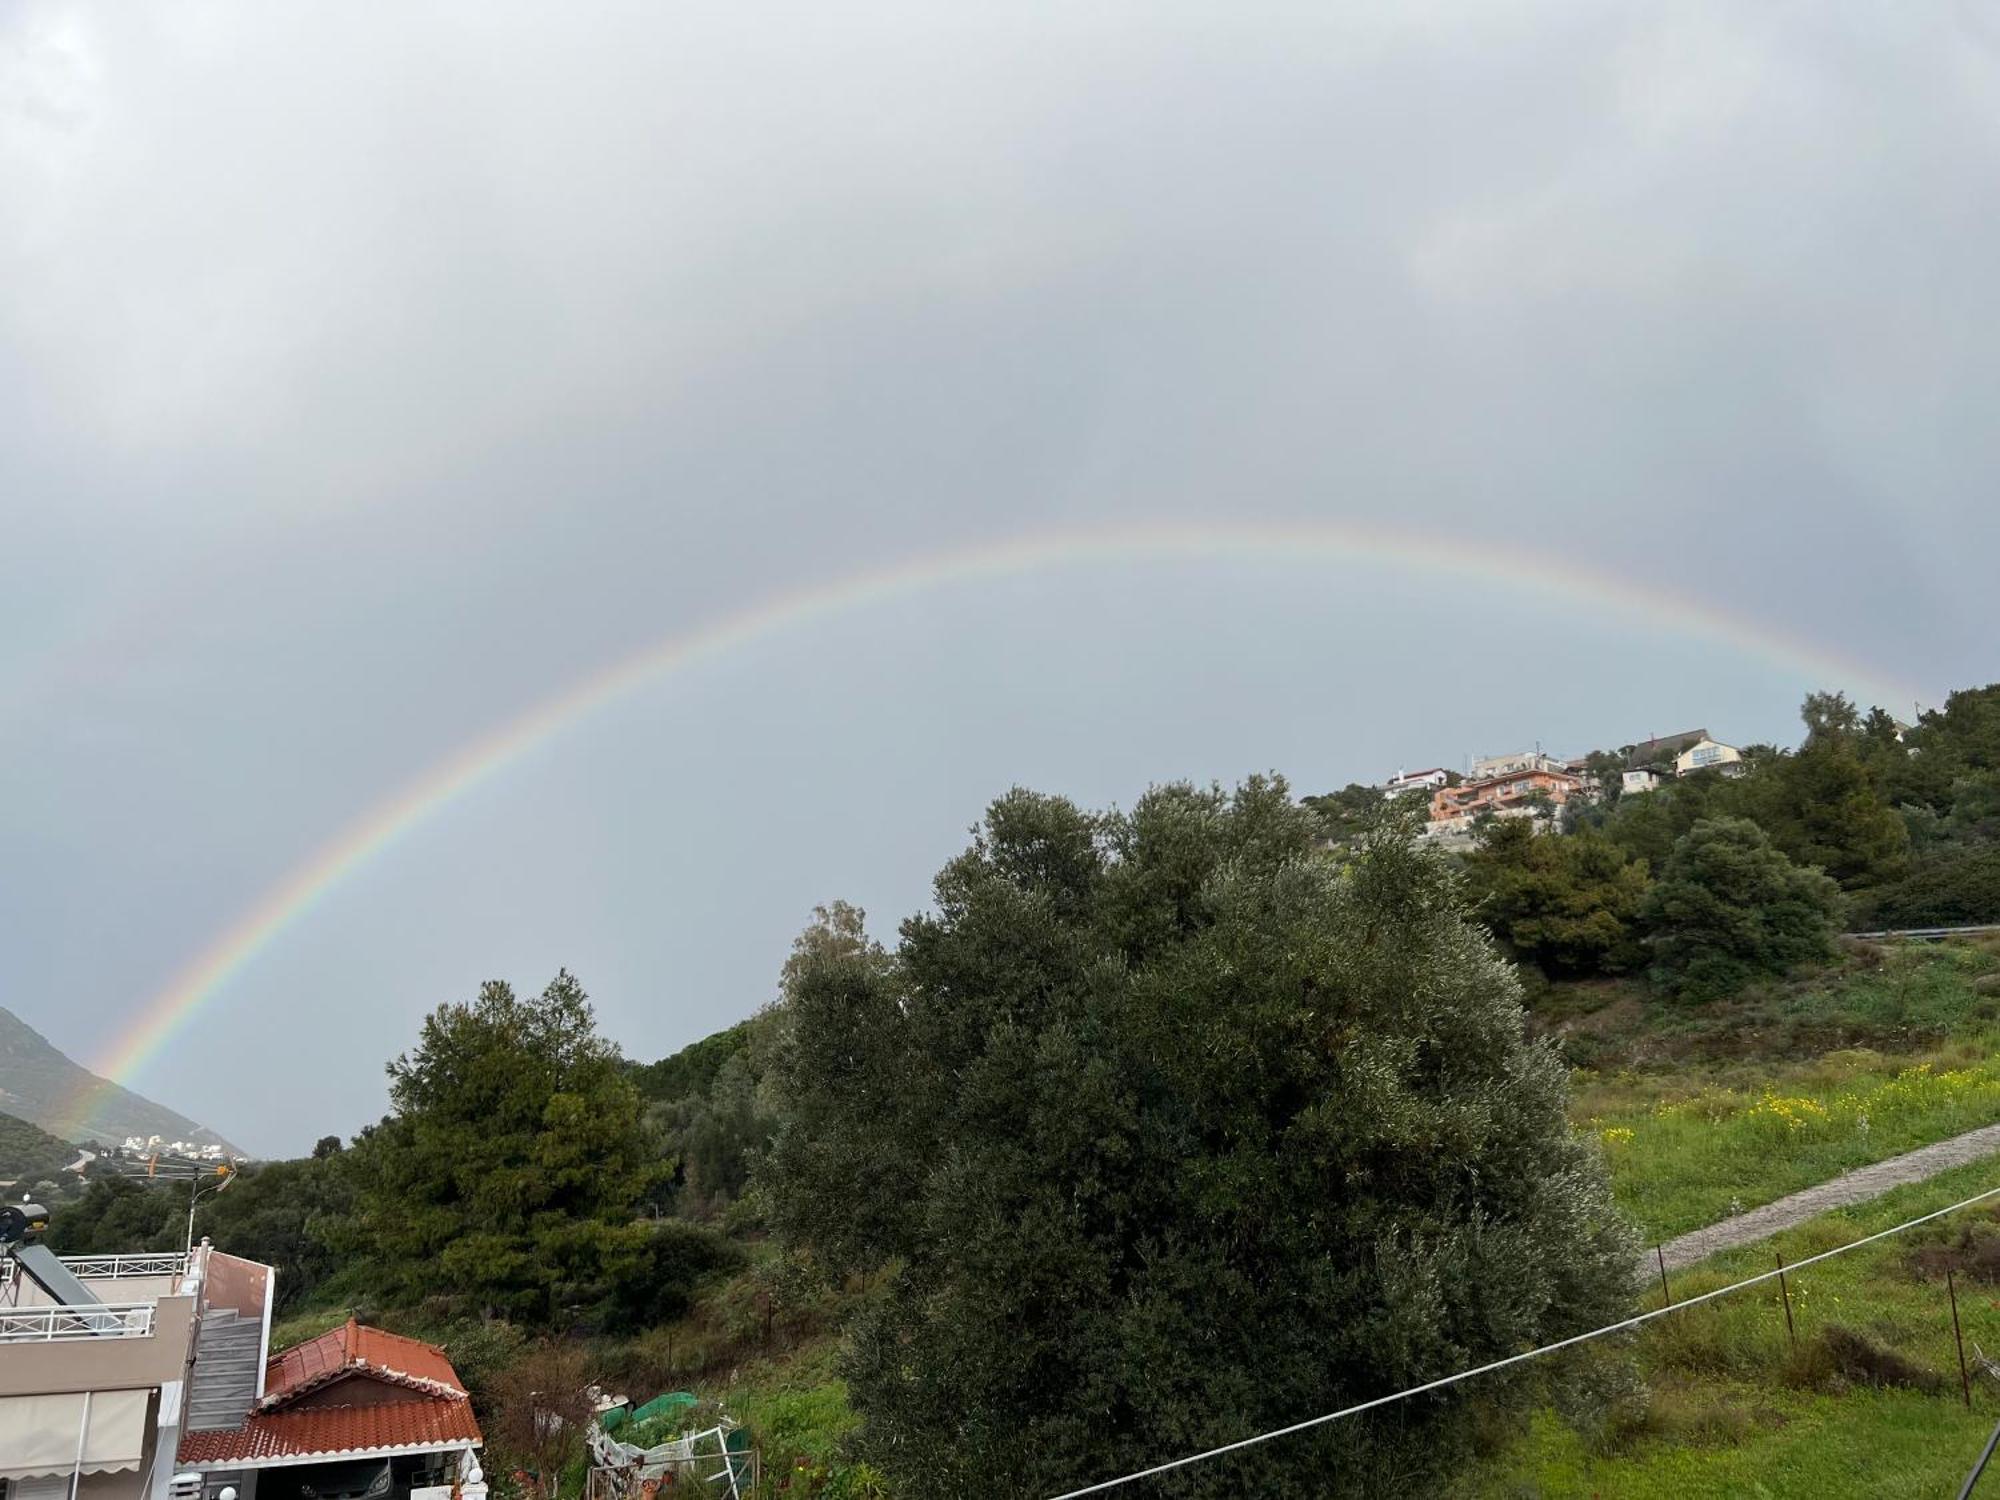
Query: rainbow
{"points": [[451, 779]]}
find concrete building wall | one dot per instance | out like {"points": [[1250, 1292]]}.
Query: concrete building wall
{"points": [[103, 1364]]}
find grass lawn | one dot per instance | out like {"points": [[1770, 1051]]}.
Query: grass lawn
{"points": [[797, 1410], [1731, 1410], [1707, 1111], [1687, 1153]]}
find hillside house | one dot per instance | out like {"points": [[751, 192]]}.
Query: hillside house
{"points": [[1515, 794], [1425, 781], [1660, 752], [1709, 755]]}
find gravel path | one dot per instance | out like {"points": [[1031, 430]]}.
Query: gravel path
{"points": [[1856, 1186]]}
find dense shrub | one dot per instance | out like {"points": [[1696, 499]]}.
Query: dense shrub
{"points": [[1957, 886], [660, 1283], [1567, 903], [1729, 908]]}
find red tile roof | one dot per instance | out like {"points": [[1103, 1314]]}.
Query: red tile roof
{"points": [[354, 1347], [420, 1424], [430, 1411]]}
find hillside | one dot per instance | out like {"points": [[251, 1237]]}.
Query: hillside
{"points": [[40, 1085], [29, 1154]]}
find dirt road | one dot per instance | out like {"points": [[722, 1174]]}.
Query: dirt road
{"points": [[1857, 1186]]}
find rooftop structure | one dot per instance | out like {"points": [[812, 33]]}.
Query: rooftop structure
{"points": [[1428, 780], [1489, 766]]}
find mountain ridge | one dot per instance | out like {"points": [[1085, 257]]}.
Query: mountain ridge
{"points": [[40, 1084]]}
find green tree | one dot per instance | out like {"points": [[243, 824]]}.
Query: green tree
{"points": [[1646, 826], [1821, 806], [712, 1118], [121, 1214], [1568, 903], [1729, 908], [1352, 810], [726, 1130], [1604, 776], [29, 1154], [1830, 717], [513, 1165], [1163, 1128], [282, 1213], [690, 1071]]}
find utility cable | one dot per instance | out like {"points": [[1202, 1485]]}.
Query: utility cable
{"points": [[1515, 1359]]}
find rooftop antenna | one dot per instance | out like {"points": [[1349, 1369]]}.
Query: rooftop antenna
{"points": [[196, 1190]]}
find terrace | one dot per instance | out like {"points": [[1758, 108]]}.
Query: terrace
{"points": [[136, 1334], [107, 1320]]}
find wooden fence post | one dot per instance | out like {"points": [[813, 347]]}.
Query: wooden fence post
{"points": [[1786, 1293], [1958, 1337]]}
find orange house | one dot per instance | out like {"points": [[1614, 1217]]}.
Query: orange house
{"points": [[1514, 793]]}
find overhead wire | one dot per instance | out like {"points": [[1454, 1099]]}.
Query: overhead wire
{"points": [[1514, 1359]]}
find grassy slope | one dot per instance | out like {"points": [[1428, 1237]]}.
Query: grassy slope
{"points": [[1729, 1410], [1708, 1111], [1734, 1106]]}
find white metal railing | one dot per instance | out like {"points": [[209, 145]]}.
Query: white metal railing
{"points": [[107, 1320], [94, 1267]]}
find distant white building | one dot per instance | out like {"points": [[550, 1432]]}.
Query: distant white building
{"points": [[152, 1145], [1415, 781], [1709, 755], [1487, 767], [1647, 780]]}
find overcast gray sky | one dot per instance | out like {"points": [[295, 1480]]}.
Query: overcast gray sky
{"points": [[369, 375]]}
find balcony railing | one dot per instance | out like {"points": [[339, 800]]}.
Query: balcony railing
{"points": [[99, 1268], [106, 1320], [95, 1267]]}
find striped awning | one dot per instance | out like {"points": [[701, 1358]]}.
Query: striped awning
{"points": [[95, 1432]]}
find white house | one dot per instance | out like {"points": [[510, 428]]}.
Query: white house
{"points": [[1644, 780], [1709, 755], [1415, 781], [1489, 766]]}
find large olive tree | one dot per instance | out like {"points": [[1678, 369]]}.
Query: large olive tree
{"points": [[1163, 1128]]}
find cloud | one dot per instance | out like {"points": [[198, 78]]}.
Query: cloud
{"points": [[366, 377]]}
